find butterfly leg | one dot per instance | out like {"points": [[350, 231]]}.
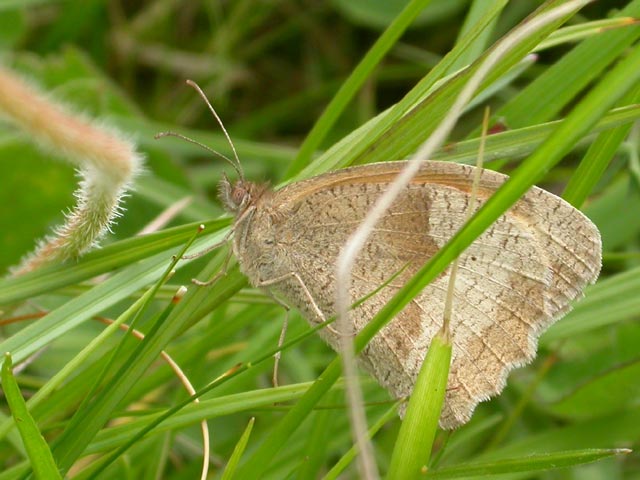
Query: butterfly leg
{"points": [[221, 273], [210, 248], [312, 302], [283, 333], [278, 354], [286, 276]]}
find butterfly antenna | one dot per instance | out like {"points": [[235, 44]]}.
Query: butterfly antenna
{"points": [[197, 88], [202, 145]]}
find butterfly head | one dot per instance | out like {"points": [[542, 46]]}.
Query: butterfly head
{"points": [[238, 196]]}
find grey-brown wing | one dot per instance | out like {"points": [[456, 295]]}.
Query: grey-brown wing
{"points": [[515, 279]]}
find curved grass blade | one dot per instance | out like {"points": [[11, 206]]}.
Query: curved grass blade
{"points": [[42, 462], [106, 259], [413, 446], [232, 464], [528, 464], [357, 78]]}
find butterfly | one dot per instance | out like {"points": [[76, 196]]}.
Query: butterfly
{"points": [[513, 282]]}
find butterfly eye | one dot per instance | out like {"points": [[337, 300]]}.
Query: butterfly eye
{"points": [[239, 195]]}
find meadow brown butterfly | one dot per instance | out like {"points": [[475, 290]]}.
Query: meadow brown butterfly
{"points": [[514, 281]]}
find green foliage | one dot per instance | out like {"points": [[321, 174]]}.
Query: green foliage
{"points": [[36, 447], [270, 69]]}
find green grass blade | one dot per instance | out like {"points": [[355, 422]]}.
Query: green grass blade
{"points": [[232, 464], [597, 159], [350, 455], [531, 463], [475, 16], [319, 439], [357, 78], [617, 429], [17, 471], [519, 143], [135, 371], [107, 259], [269, 72], [146, 131], [78, 310], [566, 78], [261, 458], [619, 226], [581, 31], [612, 300], [72, 366], [412, 450], [354, 147], [94, 412], [42, 462], [420, 120], [465, 442], [604, 394], [114, 437]]}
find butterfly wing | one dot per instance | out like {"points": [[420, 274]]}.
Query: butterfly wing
{"points": [[513, 281]]}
